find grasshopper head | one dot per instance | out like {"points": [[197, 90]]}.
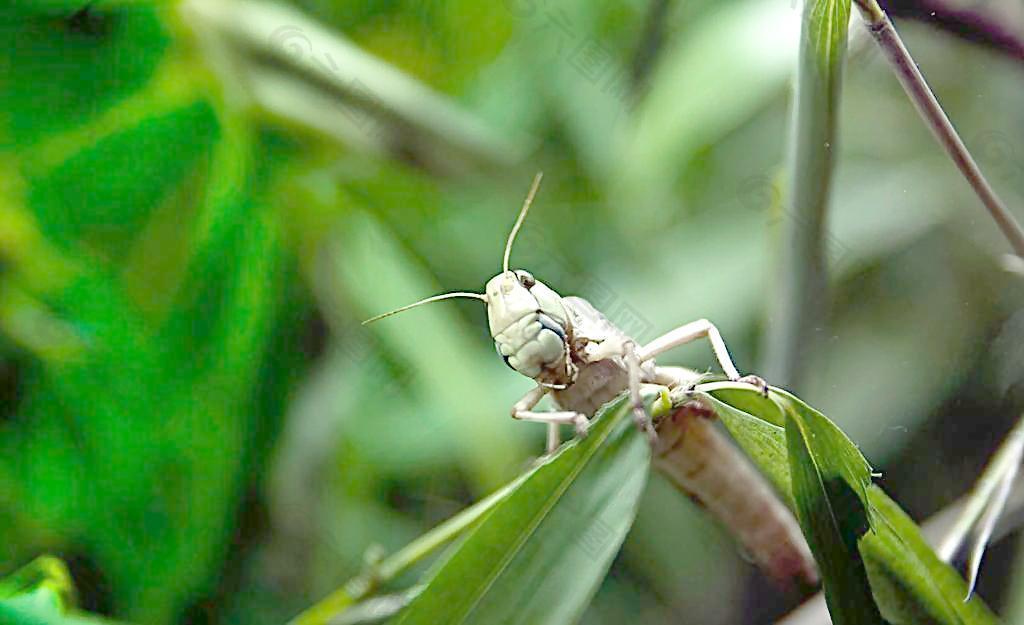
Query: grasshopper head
{"points": [[530, 326]]}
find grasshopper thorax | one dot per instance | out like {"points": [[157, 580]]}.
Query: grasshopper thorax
{"points": [[531, 328]]}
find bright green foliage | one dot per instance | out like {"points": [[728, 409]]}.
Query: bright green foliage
{"points": [[136, 445], [43, 584], [164, 295], [41, 593], [55, 77]]}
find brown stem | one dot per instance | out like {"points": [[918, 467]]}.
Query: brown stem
{"points": [[930, 109], [967, 23]]}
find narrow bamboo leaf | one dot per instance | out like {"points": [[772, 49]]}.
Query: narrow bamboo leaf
{"points": [[538, 557], [744, 397], [335, 606], [760, 438], [830, 478], [910, 583], [985, 505]]}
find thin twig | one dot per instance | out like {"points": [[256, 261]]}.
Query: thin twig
{"points": [[930, 109], [966, 22]]}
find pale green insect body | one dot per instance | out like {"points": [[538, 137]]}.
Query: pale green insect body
{"points": [[581, 361]]}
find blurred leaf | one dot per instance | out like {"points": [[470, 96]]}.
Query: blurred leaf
{"points": [[539, 556], [41, 593], [137, 451], [746, 50], [57, 71], [105, 192], [42, 583], [298, 70]]}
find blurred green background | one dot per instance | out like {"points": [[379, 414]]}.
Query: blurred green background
{"points": [[192, 416]]}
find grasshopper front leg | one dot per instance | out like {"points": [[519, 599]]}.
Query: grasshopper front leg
{"points": [[640, 416], [523, 410]]}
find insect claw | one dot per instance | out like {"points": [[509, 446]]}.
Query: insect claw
{"points": [[757, 381], [643, 423], [581, 424]]}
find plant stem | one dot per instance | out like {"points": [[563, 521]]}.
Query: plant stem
{"points": [[930, 109], [798, 310], [970, 23]]}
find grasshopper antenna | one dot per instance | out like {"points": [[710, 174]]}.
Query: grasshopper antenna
{"points": [[519, 220], [435, 298]]}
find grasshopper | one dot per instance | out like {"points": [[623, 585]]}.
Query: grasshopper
{"points": [[583, 361]]}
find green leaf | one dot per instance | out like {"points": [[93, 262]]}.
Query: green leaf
{"points": [[56, 72], [42, 583], [911, 584], [830, 478], [540, 554], [105, 192], [760, 437], [41, 593], [115, 468]]}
